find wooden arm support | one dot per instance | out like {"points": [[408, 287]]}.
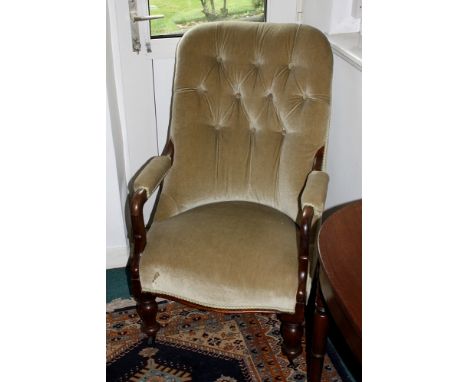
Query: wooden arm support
{"points": [[292, 323], [137, 202], [305, 228], [306, 232]]}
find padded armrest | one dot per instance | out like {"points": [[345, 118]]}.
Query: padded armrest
{"points": [[152, 174], [315, 192]]}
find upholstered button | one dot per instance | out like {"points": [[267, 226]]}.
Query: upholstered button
{"points": [[219, 59], [283, 132], [237, 95], [291, 65], [304, 97]]}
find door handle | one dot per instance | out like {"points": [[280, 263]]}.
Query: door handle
{"points": [[134, 20]]}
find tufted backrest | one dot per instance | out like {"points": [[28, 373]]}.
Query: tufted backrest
{"points": [[250, 108]]}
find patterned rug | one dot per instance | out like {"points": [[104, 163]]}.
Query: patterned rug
{"points": [[200, 346]]}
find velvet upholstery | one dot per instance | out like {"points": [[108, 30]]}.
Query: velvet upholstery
{"points": [[152, 174], [315, 192], [250, 110], [233, 255]]}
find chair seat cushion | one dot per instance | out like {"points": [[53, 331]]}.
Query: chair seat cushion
{"points": [[228, 255]]}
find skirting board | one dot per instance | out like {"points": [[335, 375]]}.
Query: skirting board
{"points": [[116, 257]]}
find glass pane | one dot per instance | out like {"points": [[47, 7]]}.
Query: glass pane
{"points": [[181, 15]]}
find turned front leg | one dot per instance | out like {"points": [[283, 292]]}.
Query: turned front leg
{"points": [[147, 308]]}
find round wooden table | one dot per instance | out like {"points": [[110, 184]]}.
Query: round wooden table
{"points": [[339, 287]]}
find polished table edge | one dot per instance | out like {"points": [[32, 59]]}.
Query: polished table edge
{"points": [[351, 333], [336, 292]]}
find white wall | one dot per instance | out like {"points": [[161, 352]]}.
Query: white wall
{"points": [[332, 16], [340, 20], [117, 154], [116, 238], [344, 157]]}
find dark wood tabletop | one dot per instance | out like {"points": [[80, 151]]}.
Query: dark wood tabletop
{"points": [[340, 252], [339, 287]]}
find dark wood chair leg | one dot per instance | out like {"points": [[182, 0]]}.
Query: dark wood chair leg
{"points": [[292, 329], [147, 308], [319, 339]]}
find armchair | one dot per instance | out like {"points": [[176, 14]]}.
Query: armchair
{"points": [[242, 185]]}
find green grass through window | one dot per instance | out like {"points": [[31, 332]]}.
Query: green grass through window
{"points": [[181, 15]]}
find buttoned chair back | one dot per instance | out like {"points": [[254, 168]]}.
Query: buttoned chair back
{"points": [[250, 110]]}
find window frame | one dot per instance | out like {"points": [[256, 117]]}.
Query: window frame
{"points": [[179, 35], [277, 11]]}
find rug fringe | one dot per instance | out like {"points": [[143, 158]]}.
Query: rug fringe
{"points": [[119, 303]]}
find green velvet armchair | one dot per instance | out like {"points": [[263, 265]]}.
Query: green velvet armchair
{"points": [[244, 186]]}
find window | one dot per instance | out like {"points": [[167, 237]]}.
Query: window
{"points": [[181, 15]]}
